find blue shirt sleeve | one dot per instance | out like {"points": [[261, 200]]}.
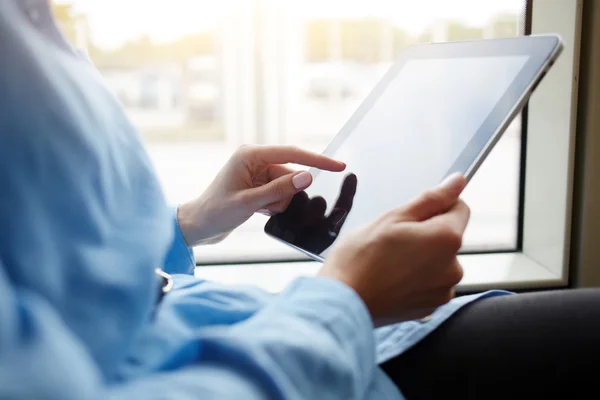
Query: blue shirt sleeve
{"points": [[180, 258], [314, 341]]}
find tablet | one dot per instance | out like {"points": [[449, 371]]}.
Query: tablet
{"points": [[439, 109]]}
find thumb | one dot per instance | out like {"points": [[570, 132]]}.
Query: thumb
{"points": [[279, 189], [436, 201]]}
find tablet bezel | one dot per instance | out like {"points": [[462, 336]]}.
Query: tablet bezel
{"points": [[543, 50]]}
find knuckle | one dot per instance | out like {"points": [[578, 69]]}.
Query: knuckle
{"points": [[431, 196], [245, 149], [450, 238], [455, 274], [278, 191], [397, 215], [390, 216], [465, 206], [387, 235]]}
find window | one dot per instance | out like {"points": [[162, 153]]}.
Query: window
{"points": [[200, 78]]}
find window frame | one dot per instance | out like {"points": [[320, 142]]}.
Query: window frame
{"points": [[542, 256]]}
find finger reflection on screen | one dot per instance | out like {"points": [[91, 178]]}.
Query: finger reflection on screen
{"points": [[305, 223]]}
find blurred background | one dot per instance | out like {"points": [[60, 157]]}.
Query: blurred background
{"points": [[200, 78]]}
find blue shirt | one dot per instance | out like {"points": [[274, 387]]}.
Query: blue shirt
{"points": [[83, 225]]}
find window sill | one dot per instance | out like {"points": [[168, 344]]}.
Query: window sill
{"points": [[481, 272]]}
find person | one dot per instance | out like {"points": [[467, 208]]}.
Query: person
{"points": [[85, 226]]}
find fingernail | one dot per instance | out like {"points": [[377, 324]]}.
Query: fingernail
{"points": [[302, 180], [264, 211], [452, 181]]}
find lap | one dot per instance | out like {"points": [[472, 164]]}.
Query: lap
{"points": [[536, 344]]}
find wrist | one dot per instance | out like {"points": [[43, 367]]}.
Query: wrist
{"points": [[195, 224], [187, 223]]}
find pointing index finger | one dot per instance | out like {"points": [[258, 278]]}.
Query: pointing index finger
{"points": [[295, 155]]}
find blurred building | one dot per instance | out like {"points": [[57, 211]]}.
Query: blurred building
{"points": [[271, 77]]}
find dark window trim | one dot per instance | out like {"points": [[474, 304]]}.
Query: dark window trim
{"points": [[523, 158]]}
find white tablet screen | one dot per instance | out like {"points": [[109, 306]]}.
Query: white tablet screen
{"points": [[406, 142]]}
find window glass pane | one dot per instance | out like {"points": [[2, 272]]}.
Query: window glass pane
{"points": [[200, 78]]}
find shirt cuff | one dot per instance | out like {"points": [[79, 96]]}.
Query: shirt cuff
{"points": [[180, 258]]}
